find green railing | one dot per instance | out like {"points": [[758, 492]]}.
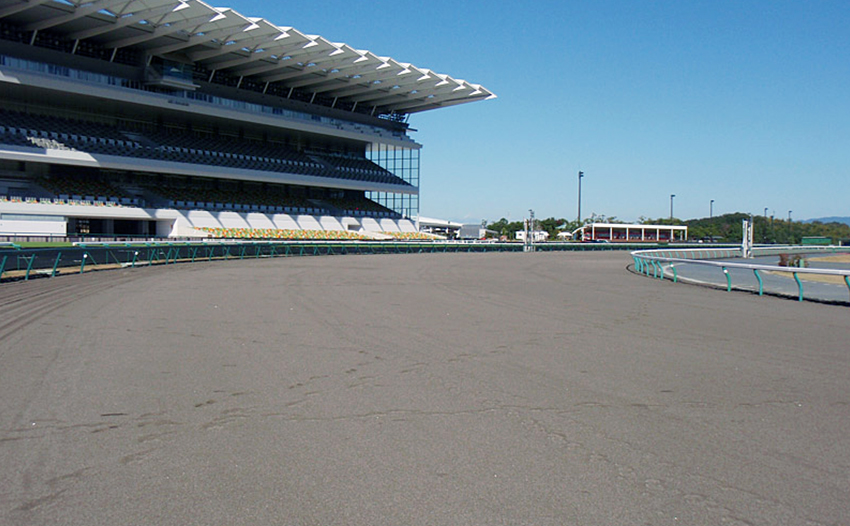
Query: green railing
{"points": [[18, 263]]}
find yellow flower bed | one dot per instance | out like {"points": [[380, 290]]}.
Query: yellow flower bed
{"points": [[410, 235]]}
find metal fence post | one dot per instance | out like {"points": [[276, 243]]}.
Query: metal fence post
{"points": [[799, 286], [56, 264], [846, 278], [29, 267]]}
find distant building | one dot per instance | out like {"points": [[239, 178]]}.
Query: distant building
{"points": [[537, 235], [625, 233], [474, 231], [439, 227]]}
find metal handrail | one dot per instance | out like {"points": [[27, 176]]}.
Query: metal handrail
{"points": [[644, 258]]}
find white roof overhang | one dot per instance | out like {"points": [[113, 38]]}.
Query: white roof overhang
{"points": [[220, 39]]}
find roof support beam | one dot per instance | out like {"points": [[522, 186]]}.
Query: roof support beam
{"points": [[402, 94], [430, 104], [194, 40], [310, 60], [319, 70], [163, 30], [366, 84], [289, 48], [256, 37], [365, 64], [79, 12], [254, 56], [289, 63], [437, 100], [20, 7], [126, 20]]}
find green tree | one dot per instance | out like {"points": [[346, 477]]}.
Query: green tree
{"points": [[505, 228]]}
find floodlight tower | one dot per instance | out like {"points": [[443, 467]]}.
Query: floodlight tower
{"points": [[578, 218], [671, 206]]}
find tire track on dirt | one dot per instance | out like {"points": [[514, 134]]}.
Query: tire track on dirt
{"points": [[23, 303]]}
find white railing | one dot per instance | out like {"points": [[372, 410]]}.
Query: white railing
{"points": [[665, 263]]}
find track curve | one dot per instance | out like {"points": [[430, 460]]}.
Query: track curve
{"points": [[545, 388]]}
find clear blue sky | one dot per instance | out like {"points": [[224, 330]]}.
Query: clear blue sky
{"points": [[743, 102]]}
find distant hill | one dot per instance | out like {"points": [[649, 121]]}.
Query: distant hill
{"points": [[845, 220]]}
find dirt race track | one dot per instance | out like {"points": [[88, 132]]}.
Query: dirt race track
{"points": [[444, 389]]}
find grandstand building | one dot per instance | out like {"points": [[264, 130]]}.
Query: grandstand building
{"points": [[171, 118]]}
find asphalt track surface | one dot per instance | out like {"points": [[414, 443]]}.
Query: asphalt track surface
{"points": [[441, 389]]}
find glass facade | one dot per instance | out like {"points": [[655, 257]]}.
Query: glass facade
{"points": [[404, 163]]}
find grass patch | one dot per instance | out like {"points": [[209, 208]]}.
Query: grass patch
{"points": [[820, 278], [837, 258], [44, 244]]}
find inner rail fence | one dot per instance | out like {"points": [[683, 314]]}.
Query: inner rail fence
{"points": [[21, 263], [712, 266]]}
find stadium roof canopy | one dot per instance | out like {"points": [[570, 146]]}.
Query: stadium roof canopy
{"points": [[222, 40]]}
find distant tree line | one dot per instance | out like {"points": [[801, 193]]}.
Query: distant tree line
{"points": [[727, 228], [724, 228], [508, 229], [552, 225]]}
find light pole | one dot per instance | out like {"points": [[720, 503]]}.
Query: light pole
{"points": [[772, 227], [711, 209], [580, 175], [790, 229], [671, 206], [765, 212]]}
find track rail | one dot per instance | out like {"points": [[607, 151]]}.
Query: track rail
{"points": [[23, 264], [663, 264]]}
